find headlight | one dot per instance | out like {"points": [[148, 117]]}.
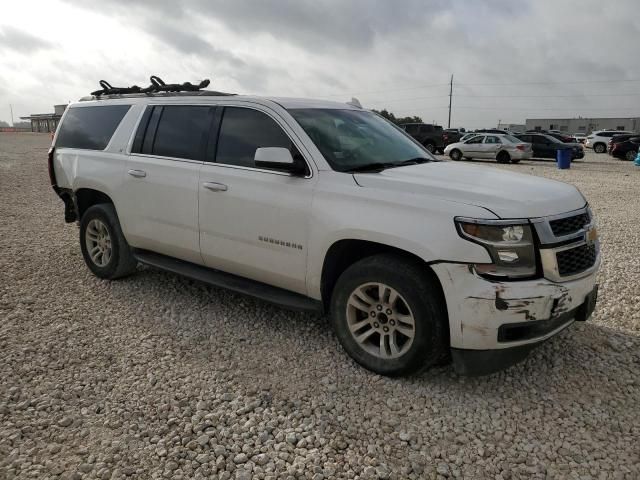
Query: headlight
{"points": [[509, 243]]}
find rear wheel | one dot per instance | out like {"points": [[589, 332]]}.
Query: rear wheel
{"points": [[599, 148], [503, 157], [103, 245], [630, 155], [455, 154], [431, 147], [389, 315]]}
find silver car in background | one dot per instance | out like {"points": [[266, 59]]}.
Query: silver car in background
{"points": [[503, 148]]}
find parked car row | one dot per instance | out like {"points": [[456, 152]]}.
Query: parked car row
{"points": [[599, 139], [506, 148]]}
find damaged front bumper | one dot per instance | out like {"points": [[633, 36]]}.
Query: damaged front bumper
{"points": [[495, 324]]}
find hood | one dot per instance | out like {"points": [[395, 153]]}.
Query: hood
{"points": [[507, 194]]}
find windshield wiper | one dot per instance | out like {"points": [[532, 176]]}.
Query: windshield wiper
{"points": [[413, 161], [370, 167], [380, 166]]}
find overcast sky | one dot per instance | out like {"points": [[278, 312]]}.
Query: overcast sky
{"points": [[511, 59]]}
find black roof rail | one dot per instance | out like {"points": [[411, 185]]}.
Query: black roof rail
{"points": [[157, 86]]}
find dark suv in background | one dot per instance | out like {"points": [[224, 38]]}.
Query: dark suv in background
{"points": [[624, 146], [431, 136], [547, 146]]}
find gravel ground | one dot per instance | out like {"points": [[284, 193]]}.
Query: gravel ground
{"points": [[156, 376]]}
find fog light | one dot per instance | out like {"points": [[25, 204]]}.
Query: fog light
{"points": [[508, 256]]}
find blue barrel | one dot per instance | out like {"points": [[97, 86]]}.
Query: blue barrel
{"points": [[563, 158]]}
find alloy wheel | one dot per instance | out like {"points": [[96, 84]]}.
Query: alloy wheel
{"points": [[98, 241], [380, 320]]}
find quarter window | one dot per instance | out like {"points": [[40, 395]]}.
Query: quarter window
{"points": [[243, 131], [90, 128]]}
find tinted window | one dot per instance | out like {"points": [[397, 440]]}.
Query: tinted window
{"points": [[182, 132], [90, 128], [243, 131], [426, 128]]}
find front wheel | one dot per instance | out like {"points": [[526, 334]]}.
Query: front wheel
{"points": [[630, 155], [103, 245], [599, 148], [389, 315]]}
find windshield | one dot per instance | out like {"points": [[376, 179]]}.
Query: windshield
{"points": [[353, 139]]}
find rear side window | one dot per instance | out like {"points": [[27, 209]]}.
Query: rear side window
{"points": [[90, 128], [176, 131], [244, 130]]}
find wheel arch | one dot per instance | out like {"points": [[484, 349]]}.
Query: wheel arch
{"points": [[87, 197], [345, 252]]}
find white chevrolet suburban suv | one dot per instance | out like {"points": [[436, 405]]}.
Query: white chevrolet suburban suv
{"points": [[327, 207]]}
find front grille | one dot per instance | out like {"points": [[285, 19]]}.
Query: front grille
{"points": [[565, 226], [576, 260]]}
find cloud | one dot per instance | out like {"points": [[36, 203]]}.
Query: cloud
{"points": [[17, 40], [510, 60]]}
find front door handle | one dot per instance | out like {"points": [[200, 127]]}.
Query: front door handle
{"points": [[137, 173], [215, 186]]}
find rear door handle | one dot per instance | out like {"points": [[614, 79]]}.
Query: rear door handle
{"points": [[215, 186], [137, 173]]}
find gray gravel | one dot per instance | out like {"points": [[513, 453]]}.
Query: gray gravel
{"points": [[156, 376]]}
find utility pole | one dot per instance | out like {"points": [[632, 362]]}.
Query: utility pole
{"points": [[11, 108], [450, 97]]}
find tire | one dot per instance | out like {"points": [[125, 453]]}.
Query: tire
{"points": [[503, 157], [409, 292], [630, 155], [455, 154], [100, 229], [431, 147], [599, 148]]}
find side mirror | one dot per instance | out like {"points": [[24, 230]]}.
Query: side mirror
{"points": [[278, 158]]}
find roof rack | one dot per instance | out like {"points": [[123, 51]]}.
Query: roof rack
{"points": [[157, 87]]}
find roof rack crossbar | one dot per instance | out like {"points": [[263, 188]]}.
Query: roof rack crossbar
{"points": [[157, 85]]}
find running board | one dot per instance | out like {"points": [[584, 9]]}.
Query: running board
{"points": [[268, 293]]}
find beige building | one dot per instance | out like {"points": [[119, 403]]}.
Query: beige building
{"points": [[583, 124], [46, 122]]}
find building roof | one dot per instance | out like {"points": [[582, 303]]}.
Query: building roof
{"points": [[41, 116]]}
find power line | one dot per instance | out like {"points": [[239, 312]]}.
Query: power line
{"points": [[556, 96], [418, 87], [383, 91], [550, 83], [539, 108]]}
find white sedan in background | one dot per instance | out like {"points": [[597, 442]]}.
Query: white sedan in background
{"points": [[503, 148]]}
